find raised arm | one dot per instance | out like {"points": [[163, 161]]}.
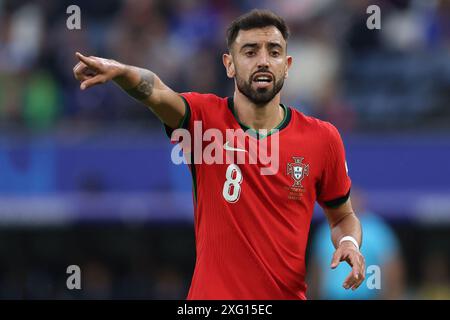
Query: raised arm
{"points": [[139, 83]]}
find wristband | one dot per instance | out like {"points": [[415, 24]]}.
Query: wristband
{"points": [[351, 239]]}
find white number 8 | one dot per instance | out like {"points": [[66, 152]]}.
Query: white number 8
{"points": [[232, 186]]}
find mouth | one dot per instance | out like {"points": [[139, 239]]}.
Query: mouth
{"points": [[262, 79]]}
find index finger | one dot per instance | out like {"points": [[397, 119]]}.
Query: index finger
{"points": [[88, 61]]}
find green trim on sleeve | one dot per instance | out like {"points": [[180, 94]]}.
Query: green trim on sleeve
{"points": [[194, 177], [184, 122]]}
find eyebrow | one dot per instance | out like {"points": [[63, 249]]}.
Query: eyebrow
{"points": [[253, 45], [275, 45], [249, 45]]}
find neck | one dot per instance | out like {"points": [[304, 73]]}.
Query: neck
{"points": [[257, 117]]}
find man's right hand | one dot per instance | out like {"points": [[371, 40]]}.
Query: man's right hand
{"points": [[91, 71], [140, 84]]}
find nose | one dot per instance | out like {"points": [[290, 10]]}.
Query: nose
{"points": [[263, 61]]}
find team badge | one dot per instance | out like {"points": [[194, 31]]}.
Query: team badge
{"points": [[297, 170]]}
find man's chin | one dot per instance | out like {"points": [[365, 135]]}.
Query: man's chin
{"points": [[261, 99], [262, 90], [258, 96]]}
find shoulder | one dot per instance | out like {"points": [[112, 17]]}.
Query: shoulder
{"points": [[202, 99], [315, 126]]}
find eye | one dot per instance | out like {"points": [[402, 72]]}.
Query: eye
{"points": [[250, 53], [275, 53]]}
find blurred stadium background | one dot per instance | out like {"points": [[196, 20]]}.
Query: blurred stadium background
{"points": [[86, 177]]}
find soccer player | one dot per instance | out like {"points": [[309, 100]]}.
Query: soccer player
{"points": [[252, 229]]}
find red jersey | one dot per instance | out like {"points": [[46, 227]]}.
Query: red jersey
{"points": [[252, 229]]}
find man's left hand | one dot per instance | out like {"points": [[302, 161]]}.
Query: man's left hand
{"points": [[348, 252]]}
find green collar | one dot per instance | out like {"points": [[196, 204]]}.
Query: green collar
{"points": [[283, 124]]}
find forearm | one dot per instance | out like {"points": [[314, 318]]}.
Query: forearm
{"points": [[349, 225], [139, 83], [146, 87], [343, 222]]}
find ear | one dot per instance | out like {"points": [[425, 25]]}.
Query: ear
{"points": [[288, 65], [229, 65]]}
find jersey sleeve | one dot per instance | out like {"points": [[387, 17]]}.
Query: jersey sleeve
{"points": [[334, 187], [194, 103]]}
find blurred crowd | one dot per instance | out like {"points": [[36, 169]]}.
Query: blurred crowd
{"points": [[360, 79], [115, 262]]}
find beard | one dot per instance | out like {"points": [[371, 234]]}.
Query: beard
{"points": [[259, 96]]}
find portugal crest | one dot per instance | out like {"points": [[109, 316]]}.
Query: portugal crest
{"points": [[297, 170]]}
